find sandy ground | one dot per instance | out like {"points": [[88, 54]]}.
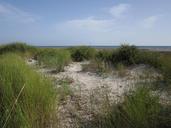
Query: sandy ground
{"points": [[90, 92]]}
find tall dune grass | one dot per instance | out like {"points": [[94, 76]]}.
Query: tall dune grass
{"points": [[35, 105], [19, 48], [54, 58]]}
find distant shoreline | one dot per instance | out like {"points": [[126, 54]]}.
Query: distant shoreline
{"points": [[153, 48]]}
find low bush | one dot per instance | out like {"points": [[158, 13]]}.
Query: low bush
{"points": [[54, 58], [126, 55], [82, 53], [35, 105]]}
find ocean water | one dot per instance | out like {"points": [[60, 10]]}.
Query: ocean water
{"points": [[154, 48]]}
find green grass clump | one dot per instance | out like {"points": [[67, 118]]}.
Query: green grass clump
{"points": [[19, 48], [82, 53], [36, 104], [140, 109], [54, 58]]}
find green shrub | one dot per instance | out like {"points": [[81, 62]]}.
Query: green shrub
{"points": [[36, 104], [54, 58], [20, 48], [126, 55], [82, 53]]}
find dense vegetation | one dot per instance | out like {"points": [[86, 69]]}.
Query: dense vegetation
{"points": [[31, 95], [81, 53]]}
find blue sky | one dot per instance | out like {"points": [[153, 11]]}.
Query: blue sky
{"points": [[86, 22]]}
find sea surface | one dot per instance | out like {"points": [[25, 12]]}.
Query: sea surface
{"points": [[153, 48]]}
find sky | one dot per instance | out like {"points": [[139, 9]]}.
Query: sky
{"points": [[86, 22]]}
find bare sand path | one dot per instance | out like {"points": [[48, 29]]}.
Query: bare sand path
{"points": [[91, 94]]}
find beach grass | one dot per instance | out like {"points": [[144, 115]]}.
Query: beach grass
{"points": [[54, 58], [27, 99], [19, 48]]}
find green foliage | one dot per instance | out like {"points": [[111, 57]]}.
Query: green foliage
{"points": [[54, 58], [125, 54], [149, 57], [82, 53], [20, 48], [36, 104]]}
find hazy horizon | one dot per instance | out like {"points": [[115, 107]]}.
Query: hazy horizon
{"points": [[90, 22]]}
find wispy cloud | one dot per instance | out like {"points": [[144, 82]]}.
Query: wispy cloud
{"points": [[11, 13], [93, 23], [119, 10], [90, 23], [150, 21], [117, 25]]}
